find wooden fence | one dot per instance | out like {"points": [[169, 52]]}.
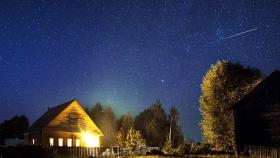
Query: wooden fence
{"points": [[36, 151], [76, 152], [264, 152], [85, 152]]}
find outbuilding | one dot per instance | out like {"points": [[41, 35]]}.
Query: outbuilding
{"points": [[257, 115]]}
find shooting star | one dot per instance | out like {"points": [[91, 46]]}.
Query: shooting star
{"points": [[238, 34], [231, 36]]}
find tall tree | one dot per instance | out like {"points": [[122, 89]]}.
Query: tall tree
{"points": [[96, 113], [109, 127], [127, 136], [13, 128], [133, 140], [175, 139], [105, 120], [125, 123], [153, 124], [177, 136], [223, 85]]}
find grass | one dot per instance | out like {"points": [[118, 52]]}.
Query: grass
{"points": [[185, 156]]}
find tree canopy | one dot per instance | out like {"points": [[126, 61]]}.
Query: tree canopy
{"points": [[125, 123], [106, 121], [175, 139], [223, 85], [150, 127], [177, 136], [153, 124], [14, 127], [133, 140]]}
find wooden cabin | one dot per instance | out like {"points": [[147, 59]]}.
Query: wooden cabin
{"points": [[64, 125], [257, 115]]}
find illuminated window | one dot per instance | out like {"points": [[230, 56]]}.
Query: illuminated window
{"points": [[60, 141], [69, 142], [33, 141], [77, 142], [51, 141]]}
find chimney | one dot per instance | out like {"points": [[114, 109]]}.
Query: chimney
{"points": [[48, 110]]}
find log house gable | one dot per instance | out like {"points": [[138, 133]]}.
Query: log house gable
{"points": [[73, 118]]}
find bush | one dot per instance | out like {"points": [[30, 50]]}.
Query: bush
{"points": [[197, 148], [155, 152]]}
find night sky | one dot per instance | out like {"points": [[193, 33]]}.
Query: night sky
{"points": [[127, 54]]}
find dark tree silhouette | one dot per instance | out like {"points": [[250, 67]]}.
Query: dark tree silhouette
{"points": [[177, 136], [14, 128], [125, 123], [106, 121], [153, 124]]}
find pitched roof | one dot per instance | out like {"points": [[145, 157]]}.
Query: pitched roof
{"points": [[271, 81], [49, 115]]}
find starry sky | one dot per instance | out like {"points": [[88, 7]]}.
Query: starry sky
{"points": [[127, 53]]}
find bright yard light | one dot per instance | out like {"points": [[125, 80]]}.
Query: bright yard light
{"points": [[91, 140]]}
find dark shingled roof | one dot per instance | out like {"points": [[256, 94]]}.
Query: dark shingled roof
{"points": [[49, 115], [272, 80]]}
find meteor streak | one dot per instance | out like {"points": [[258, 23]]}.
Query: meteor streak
{"points": [[231, 36], [238, 34]]}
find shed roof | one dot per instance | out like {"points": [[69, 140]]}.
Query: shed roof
{"points": [[272, 82]]}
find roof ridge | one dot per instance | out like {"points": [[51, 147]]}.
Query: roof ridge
{"points": [[68, 102]]}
